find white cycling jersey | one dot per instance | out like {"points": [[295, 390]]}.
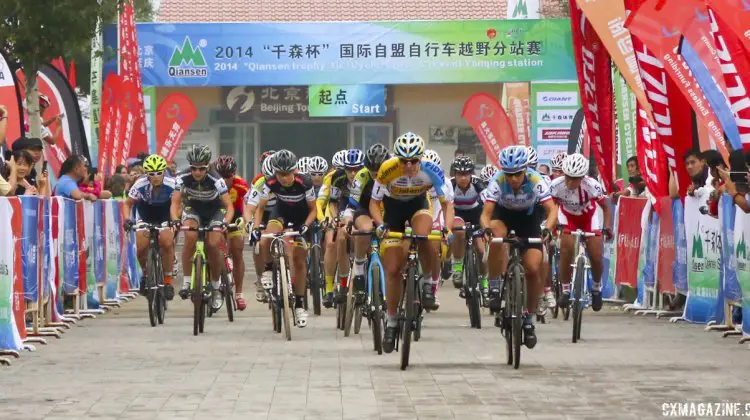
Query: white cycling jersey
{"points": [[580, 201], [472, 197]]}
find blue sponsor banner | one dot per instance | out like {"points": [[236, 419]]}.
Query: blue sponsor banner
{"points": [[69, 257], [652, 245], [711, 91], [608, 279], [134, 271], [30, 247], [731, 286], [46, 238], [114, 250], [680, 270], [100, 263], [346, 101]]}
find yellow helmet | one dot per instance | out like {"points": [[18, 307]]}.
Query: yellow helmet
{"points": [[154, 163]]}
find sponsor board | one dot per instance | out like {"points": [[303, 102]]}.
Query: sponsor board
{"points": [[552, 134], [557, 99]]}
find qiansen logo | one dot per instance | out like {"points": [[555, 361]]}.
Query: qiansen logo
{"points": [[188, 61]]}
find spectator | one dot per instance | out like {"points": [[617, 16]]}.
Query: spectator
{"points": [[121, 169], [73, 170], [35, 148], [544, 169], [695, 165], [47, 134], [92, 184], [7, 186], [636, 184], [3, 127], [117, 186], [172, 169], [28, 182]]}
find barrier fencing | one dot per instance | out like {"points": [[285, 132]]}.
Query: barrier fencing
{"points": [[61, 248]]}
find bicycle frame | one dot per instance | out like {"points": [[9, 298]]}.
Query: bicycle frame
{"points": [[375, 261]]}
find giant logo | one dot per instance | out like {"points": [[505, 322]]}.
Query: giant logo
{"points": [[188, 61]]}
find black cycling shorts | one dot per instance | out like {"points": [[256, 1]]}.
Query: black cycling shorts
{"points": [[523, 223], [470, 215], [397, 212], [285, 214], [205, 218]]}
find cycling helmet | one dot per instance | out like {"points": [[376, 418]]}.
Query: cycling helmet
{"points": [[557, 162], [284, 161], [199, 153], [154, 163], [533, 158], [43, 100], [487, 173], [375, 156], [267, 168], [575, 165], [514, 159], [317, 164], [462, 164], [226, 166], [409, 146], [338, 159], [354, 158], [432, 156], [265, 154], [302, 164]]}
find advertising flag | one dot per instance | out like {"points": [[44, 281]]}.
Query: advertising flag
{"points": [[173, 119], [519, 111], [595, 82], [736, 13], [10, 96], [130, 70], [110, 93], [490, 123]]}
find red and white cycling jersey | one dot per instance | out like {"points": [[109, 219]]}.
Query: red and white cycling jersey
{"points": [[580, 201]]}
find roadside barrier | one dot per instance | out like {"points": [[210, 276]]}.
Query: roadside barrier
{"points": [[59, 250]]}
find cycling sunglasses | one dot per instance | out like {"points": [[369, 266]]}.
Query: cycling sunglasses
{"points": [[316, 174], [412, 161], [199, 168], [156, 173]]}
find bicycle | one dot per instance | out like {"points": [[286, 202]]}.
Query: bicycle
{"points": [[410, 305], [154, 280], [200, 290], [554, 272], [372, 306], [226, 285], [580, 275], [281, 294], [471, 291], [514, 294], [315, 280]]}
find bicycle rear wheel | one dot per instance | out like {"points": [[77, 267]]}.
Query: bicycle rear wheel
{"points": [[517, 305], [315, 279], [160, 303], [197, 295], [410, 310], [577, 309], [274, 302], [285, 292], [376, 311], [226, 284], [349, 310]]}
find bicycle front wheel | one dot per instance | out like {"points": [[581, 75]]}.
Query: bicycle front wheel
{"points": [[474, 295], [376, 311], [226, 284], [151, 268], [285, 297], [197, 295], [349, 309], [316, 282], [160, 302], [517, 305], [577, 310], [410, 309]]}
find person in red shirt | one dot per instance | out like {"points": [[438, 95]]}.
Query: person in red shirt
{"points": [[226, 166]]}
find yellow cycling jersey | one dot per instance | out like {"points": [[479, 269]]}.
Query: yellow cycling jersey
{"points": [[392, 182], [335, 186]]}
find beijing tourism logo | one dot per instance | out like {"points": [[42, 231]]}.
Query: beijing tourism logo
{"points": [[188, 61]]}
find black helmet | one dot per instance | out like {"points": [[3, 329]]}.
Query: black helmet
{"points": [[376, 155], [199, 153], [284, 161], [462, 164]]}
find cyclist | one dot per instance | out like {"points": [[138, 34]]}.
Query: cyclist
{"points": [[534, 162], [467, 201], [226, 166], [556, 164], [359, 201], [296, 206], [547, 298], [578, 195], [401, 185], [262, 159], [317, 168], [337, 161], [438, 221], [487, 173], [151, 195], [302, 164], [251, 204], [512, 198], [202, 199], [335, 192]]}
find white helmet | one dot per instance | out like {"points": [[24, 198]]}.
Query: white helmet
{"points": [[533, 158], [487, 173], [557, 162], [408, 146], [267, 168], [575, 165], [431, 156], [303, 164], [317, 164], [338, 159]]}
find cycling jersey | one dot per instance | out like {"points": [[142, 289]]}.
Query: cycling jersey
{"points": [[578, 202], [256, 178], [471, 198], [300, 191], [237, 194], [253, 197], [203, 193], [533, 190], [153, 208], [335, 186], [361, 190], [391, 181]]}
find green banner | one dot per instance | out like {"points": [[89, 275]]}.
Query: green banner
{"points": [[149, 103], [553, 106], [96, 90], [625, 105]]}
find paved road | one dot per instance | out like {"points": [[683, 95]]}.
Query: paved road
{"points": [[117, 366]]}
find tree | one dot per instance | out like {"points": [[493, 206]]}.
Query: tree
{"points": [[35, 32]]}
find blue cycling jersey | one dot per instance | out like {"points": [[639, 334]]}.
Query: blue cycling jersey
{"points": [[142, 191], [533, 190]]}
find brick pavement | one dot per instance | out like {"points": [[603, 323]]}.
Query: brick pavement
{"points": [[117, 366]]}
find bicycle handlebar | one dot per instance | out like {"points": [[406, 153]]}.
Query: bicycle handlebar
{"points": [[516, 240], [581, 233], [143, 226], [400, 235], [208, 229], [362, 233], [279, 235]]}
